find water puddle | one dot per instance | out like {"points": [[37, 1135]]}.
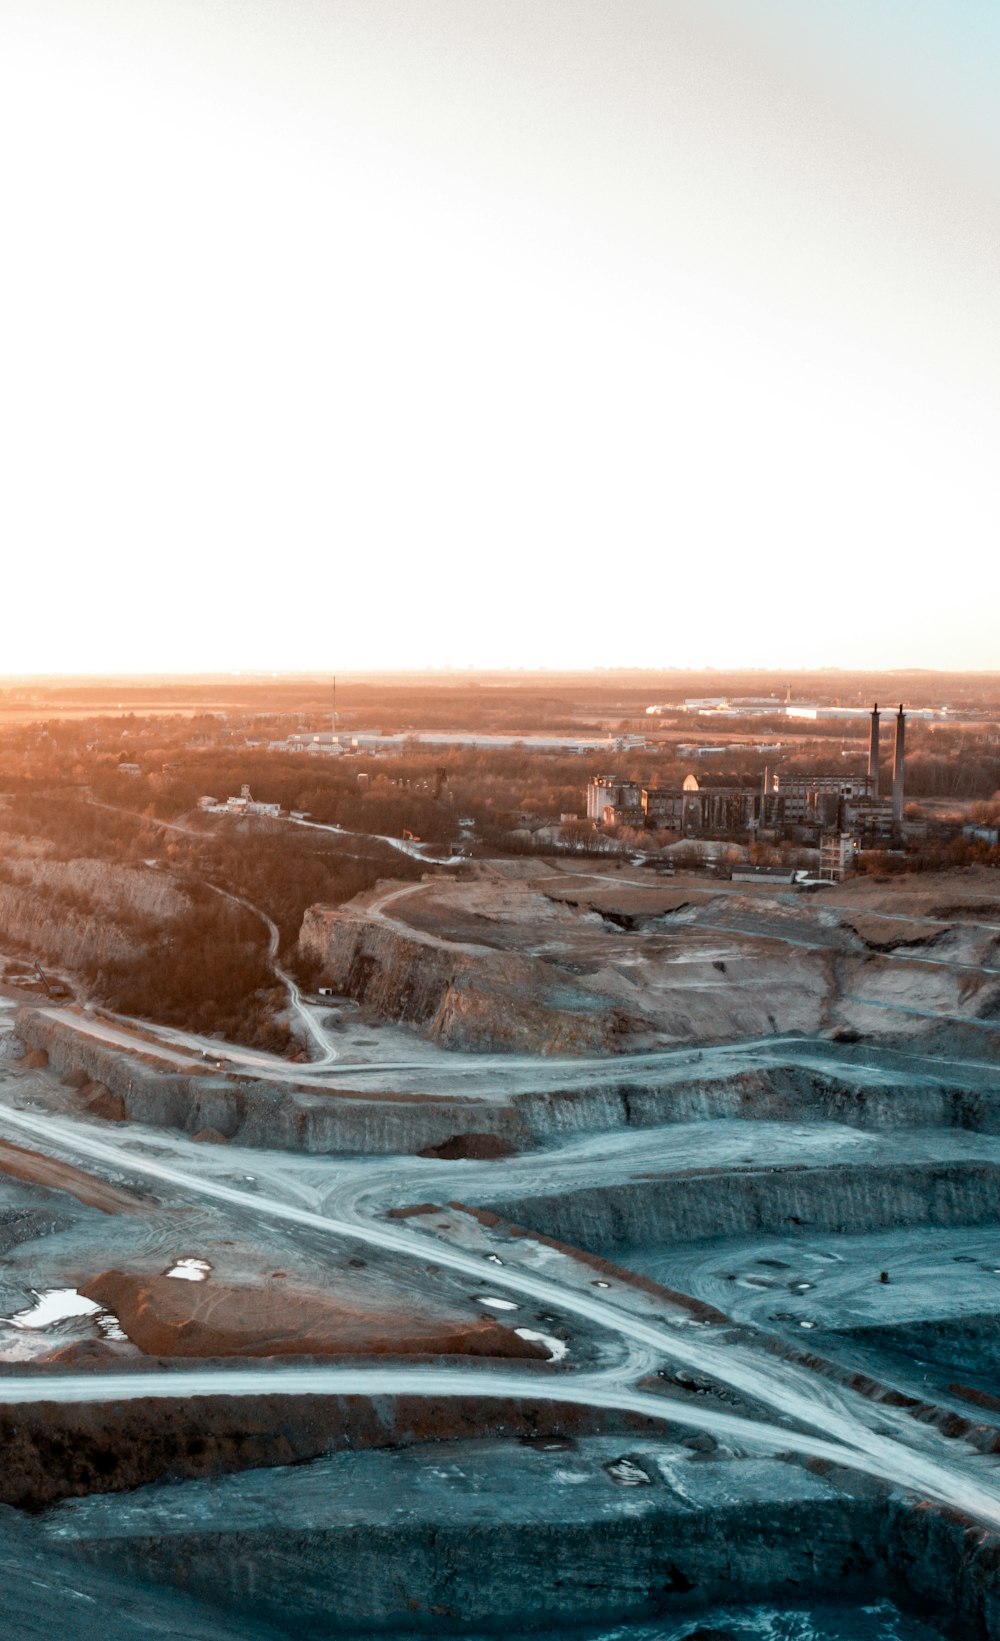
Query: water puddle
{"points": [[498, 1304], [190, 1270]]}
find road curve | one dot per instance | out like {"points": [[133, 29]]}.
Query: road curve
{"points": [[835, 1414]]}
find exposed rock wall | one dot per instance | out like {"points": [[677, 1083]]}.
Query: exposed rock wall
{"points": [[776, 1093], [598, 1570], [259, 1113], [782, 1200], [11, 1046], [83, 912], [46, 1594], [413, 1552], [58, 1450], [265, 1114], [496, 964], [464, 996]]}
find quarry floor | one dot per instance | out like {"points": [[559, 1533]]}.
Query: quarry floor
{"points": [[636, 1369]]}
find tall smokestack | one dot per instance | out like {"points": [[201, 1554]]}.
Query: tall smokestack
{"points": [[873, 752], [898, 761]]}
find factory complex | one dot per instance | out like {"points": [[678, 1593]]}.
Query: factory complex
{"points": [[771, 706], [839, 814], [373, 742]]}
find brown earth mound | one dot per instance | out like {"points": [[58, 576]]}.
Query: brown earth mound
{"points": [[62, 1176], [883, 934], [474, 1147], [36, 1059], [100, 1102], [167, 1317]]}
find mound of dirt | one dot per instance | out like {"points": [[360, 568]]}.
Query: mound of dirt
{"points": [[165, 1317], [37, 1169], [99, 1101], [36, 1059], [474, 1147]]}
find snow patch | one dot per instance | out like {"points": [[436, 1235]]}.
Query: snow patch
{"points": [[190, 1270], [54, 1305], [556, 1348]]}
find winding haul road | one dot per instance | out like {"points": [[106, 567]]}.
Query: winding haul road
{"points": [[806, 1413]]}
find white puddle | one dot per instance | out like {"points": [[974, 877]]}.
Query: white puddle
{"points": [[55, 1305], [190, 1270], [556, 1348], [500, 1304]]}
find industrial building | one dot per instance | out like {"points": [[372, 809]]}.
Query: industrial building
{"points": [[757, 706], [839, 813], [373, 741], [245, 804]]}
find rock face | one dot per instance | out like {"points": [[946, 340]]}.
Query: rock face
{"points": [[257, 1112], [545, 962], [465, 996], [166, 1317], [431, 1539], [785, 1200], [82, 913], [59, 1450], [46, 1595]]}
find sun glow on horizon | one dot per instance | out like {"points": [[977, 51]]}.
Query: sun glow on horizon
{"points": [[365, 336]]}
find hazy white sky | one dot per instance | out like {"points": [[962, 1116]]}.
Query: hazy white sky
{"points": [[372, 333]]}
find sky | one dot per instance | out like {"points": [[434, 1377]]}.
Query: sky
{"points": [[364, 334]]}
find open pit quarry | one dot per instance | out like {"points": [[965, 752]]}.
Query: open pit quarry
{"points": [[623, 1259]]}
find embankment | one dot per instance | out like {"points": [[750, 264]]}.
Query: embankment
{"points": [[781, 1092], [434, 1539], [785, 1200], [84, 913], [56, 1450], [464, 996], [255, 1112]]}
